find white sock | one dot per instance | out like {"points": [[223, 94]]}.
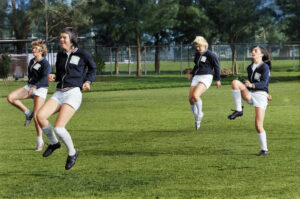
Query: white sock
{"points": [[263, 141], [194, 110], [50, 135], [28, 112], [199, 107], [65, 136], [237, 99], [39, 140]]}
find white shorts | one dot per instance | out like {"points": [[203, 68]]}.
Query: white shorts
{"points": [[71, 97], [41, 92], [259, 99], [205, 79]]}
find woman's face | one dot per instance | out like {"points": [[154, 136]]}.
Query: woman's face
{"points": [[257, 54], [65, 41], [36, 51], [200, 49]]}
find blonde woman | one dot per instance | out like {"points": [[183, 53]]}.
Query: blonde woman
{"points": [[75, 70], [255, 92], [36, 88], [206, 65]]}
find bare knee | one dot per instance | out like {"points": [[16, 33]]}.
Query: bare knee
{"points": [[41, 118], [259, 128], [10, 99], [235, 84]]}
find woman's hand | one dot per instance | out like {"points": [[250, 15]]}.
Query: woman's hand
{"points": [[218, 84], [269, 97], [248, 84], [86, 86], [190, 76], [30, 92], [51, 77]]}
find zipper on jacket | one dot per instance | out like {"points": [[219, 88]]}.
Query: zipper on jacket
{"points": [[198, 63], [62, 79]]}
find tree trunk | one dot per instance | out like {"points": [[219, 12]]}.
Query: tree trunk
{"points": [[234, 66], [46, 21], [157, 61], [117, 60], [138, 63]]}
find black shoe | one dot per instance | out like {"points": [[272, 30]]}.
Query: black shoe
{"points": [[51, 148], [236, 114], [71, 161], [263, 153]]}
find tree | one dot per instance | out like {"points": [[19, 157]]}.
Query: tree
{"points": [[21, 22], [109, 20], [3, 17], [290, 17], [192, 21], [235, 19], [164, 16], [4, 67], [124, 19], [53, 16]]}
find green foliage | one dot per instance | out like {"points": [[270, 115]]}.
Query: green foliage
{"points": [[99, 63], [290, 18], [4, 66]]}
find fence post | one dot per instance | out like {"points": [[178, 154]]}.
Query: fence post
{"points": [[110, 51], [145, 66], [129, 60], [181, 67]]}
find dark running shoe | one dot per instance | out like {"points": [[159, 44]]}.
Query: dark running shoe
{"points": [[28, 119], [236, 114], [263, 153], [51, 148], [71, 161]]}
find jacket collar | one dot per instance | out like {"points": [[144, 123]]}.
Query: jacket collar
{"points": [[72, 51]]}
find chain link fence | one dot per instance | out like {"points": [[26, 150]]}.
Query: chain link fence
{"points": [[172, 59]]}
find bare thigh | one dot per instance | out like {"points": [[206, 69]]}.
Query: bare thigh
{"points": [[18, 94], [237, 85], [49, 108], [65, 114]]}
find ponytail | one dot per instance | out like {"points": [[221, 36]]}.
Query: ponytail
{"points": [[265, 58]]}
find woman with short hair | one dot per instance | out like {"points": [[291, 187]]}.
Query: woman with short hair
{"points": [[71, 66], [36, 88], [206, 65]]}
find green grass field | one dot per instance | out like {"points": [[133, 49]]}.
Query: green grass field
{"points": [[136, 139]]}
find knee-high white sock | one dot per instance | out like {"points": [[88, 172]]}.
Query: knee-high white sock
{"points": [[39, 140], [194, 110], [237, 99], [28, 112], [199, 107], [65, 136], [50, 135], [263, 141]]}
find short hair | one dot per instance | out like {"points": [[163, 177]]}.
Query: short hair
{"points": [[72, 32], [201, 41], [42, 45]]}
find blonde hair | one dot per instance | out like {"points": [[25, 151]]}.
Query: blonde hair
{"points": [[201, 41], [42, 45]]}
